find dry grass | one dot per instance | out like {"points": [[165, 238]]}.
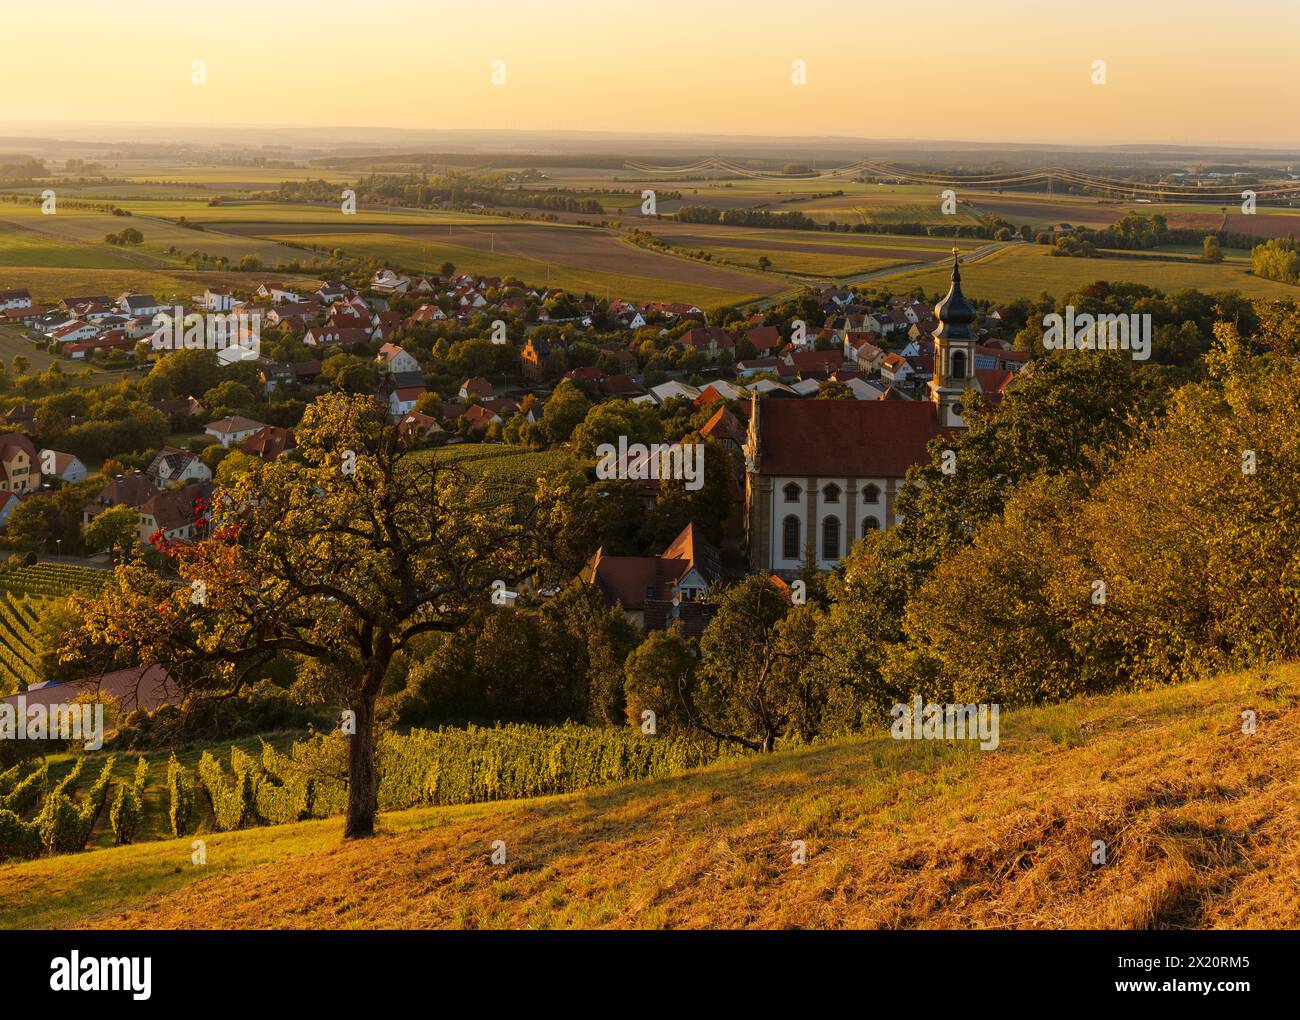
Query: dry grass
{"points": [[1198, 818]]}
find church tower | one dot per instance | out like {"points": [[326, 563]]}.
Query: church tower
{"points": [[954, 354]]}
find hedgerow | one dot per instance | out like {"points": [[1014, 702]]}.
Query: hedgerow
{"points": [[180, 796], [285, 793], [455, 766], [19, 840], [128, 805], [230, 804], [26, 793]]}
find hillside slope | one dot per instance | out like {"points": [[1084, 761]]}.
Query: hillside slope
{"points": [[1199, 821]]}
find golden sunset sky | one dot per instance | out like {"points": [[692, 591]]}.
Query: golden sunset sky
{"points": [[983, 70]]}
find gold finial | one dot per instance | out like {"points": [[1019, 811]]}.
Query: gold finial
{"points": [[955, 251]]}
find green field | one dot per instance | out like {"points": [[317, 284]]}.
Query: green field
{"points": [[1028, 270]]}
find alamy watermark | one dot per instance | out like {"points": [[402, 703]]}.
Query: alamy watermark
{"points": [[81, 721], [1104, 332], [637, 462], [929, 721]]}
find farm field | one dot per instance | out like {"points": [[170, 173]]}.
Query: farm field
{"points": [[1027, 270], [899, 834], [48, 285], [575, 258], [74, 238]]}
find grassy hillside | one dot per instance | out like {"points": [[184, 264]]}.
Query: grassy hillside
{"points": [[1198, 819]]}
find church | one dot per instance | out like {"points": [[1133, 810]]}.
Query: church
{"points": [[820, 474]]}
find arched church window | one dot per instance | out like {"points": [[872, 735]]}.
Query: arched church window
{"points": [[871, 494], [831, 538], [870, 524], [792, 493], [831, 493], [790, 538], [958, 363]]}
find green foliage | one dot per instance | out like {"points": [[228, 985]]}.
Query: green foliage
{"points": [[27, 792], [180, 797], [128, 806], [19, 840], [466, 766], [1277, 259], [231, 805]]}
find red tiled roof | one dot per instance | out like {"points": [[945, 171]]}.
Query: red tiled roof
{"points": [[859, 438]]}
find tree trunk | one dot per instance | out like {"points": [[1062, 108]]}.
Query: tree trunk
{"points": [[363, 778]]}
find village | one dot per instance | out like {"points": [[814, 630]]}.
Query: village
{"points": [[877, 356]]}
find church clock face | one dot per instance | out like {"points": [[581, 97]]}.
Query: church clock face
{"points": [[958, 409]]}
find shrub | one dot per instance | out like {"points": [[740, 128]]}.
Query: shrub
{"points": [[19, 840], [455, 766], [128, 806], [26, 794], [60, 825], [230, 804], [180, 794], [285, 793]]}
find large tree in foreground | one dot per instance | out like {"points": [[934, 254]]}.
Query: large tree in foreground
{"points": [[343, 555]]}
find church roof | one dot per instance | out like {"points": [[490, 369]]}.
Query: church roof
{"points": [[844, 438]]}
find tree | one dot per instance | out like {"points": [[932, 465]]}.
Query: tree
{"points": [[1210, 251], [764, 263], [115, 530], [748, 689], [344, 557], [655, 673], [566, 408]]}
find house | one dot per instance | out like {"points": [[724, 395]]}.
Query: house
{"points": [[476, 387], [113, 340], [334, 336], [139, 304], [392, 358], [217, 299], [673, 388], [175, 514], [656, 591], [73, 331], [480, 417], [895, 369], [719, 389], [15, 299], [385, 281], [533, 356], [232, 430], [180, 407], [64, 466], [807, 362], [269, 443], [132, 489], [403, 399], [20, 471], [766, 340], [426, 314], [277, 294], [415, 426], [711, 341], [172, 466], [822, 473]]}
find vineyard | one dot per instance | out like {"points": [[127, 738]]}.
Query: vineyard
{"points": [[251, 783], [26, 594]]}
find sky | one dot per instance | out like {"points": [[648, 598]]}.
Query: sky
{"points": [[1189, 72]]}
